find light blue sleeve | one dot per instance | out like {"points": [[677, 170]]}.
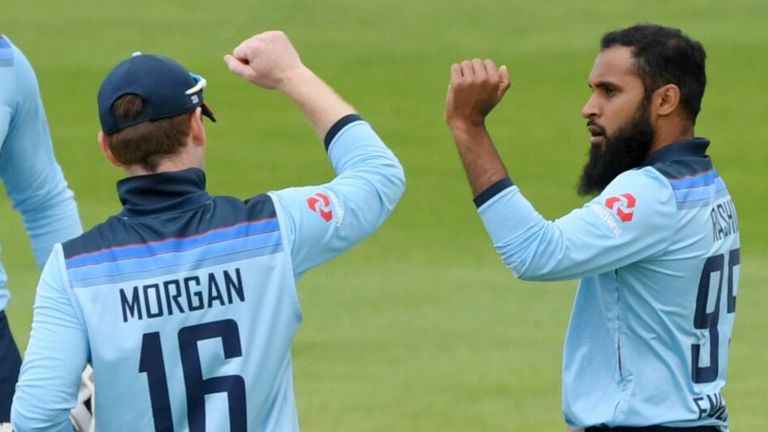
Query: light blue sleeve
{"points": [[320, 222], [629, 221], [7, 87], [32, 177], [56, 355]]}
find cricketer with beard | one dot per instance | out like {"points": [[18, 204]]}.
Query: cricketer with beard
{"points": [[656, 251]]}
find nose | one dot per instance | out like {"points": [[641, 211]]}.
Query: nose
{"points": [[590, 108]]}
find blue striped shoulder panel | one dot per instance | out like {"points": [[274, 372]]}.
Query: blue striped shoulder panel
{"points": [[694, 181], [225, 230]]}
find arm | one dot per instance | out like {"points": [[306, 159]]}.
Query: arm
{"points": [[476, 87], [33, 178], [322, 221], [589, 240], [56, 355]]}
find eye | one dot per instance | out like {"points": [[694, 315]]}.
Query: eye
{"points": [[610, 90]]}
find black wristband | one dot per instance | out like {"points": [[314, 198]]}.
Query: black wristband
{"points": [[492, 191], [337, 127]]}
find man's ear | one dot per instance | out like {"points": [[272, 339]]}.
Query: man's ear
{"points": [[196, 130], [104, 144], [666, 99]]}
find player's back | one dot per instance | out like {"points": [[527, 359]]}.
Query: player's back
{"points": [[190, 311]]}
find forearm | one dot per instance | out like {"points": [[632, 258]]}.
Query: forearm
{"points": [[588, 240], [482, 163], [317, 100], [366, 169], [368, 185]]}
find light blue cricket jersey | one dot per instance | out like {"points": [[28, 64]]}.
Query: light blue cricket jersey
{"points": [[32, 177], [657, 254], [186, 304]]}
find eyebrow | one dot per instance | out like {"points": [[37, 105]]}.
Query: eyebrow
{"points": [[604, 85]]}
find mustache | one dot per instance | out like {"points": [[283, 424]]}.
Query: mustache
{"points": [[595, 128]]}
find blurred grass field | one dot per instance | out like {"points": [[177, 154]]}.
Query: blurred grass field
{"points": [[420, 328]]}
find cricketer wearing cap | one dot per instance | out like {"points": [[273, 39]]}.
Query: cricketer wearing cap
{"points": [[656, 251], [184, 303], [34, 183]]}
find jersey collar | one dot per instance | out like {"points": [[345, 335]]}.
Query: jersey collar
{"points": [[693, 148], [166, 192]]}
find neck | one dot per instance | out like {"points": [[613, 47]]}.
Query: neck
{"points": [[668, 135], [164, 166], [189, 156]]}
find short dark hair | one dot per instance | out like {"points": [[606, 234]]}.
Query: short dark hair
{"points": [[665, 55], [146, 144]]}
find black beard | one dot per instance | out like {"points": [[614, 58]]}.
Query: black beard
{"points": [[625, 150]]}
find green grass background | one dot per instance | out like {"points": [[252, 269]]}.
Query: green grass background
{"points": [[420, 328]]}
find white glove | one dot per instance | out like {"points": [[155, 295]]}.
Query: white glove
{"points": [[82, 415]]}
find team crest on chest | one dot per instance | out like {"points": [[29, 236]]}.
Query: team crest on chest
{"points": [[622, 206]]}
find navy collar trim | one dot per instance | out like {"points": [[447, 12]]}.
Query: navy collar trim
{"points": [[693, 148], [165, 192]]}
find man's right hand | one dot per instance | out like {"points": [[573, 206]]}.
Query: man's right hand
{"points": [[267, 59], [476, 87]]}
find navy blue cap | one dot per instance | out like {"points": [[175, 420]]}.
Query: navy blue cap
{"points": [[166, 87]]}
